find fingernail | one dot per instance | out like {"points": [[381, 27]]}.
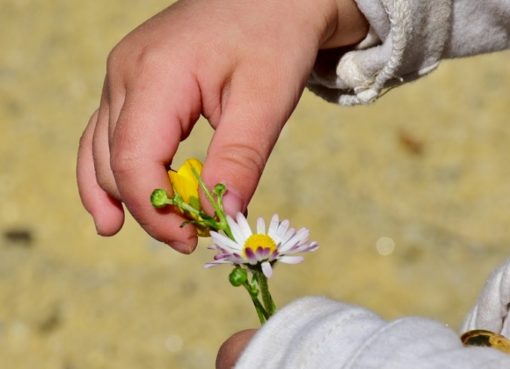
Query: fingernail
{"points": [[182, 247], [232, 203]]}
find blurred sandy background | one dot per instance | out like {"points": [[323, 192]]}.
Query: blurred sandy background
{"points": [[409, 199]]}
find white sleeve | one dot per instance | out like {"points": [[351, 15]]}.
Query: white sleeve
{"points": [[318, 333], [492, 309], [407, 39]]}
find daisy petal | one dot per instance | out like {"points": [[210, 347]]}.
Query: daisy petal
{"points": [[291, 259], [244, 226], [273, 226], [225, 242], [307, 247], [261, 226], [236, 230], [290, 233], [251, 256], [214, 263], [266, 269], [282, 228], [230, 259], [299, 237], [304, 247], [236, 259]]}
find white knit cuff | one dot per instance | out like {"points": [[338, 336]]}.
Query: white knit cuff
{"points": [[407, 39], [318, 333], [492, 309], [308, 333]]}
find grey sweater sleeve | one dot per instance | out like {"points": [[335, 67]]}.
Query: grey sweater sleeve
{"points": [[317, 333], [407, 39]]}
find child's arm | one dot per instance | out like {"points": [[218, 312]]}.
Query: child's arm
{"points": [[407, 40], [242, 64]]}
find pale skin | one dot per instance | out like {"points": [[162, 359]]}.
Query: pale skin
{"points": [[232, 348], [242, 64]]}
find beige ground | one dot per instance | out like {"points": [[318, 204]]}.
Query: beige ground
{"points": [[426, 167]]}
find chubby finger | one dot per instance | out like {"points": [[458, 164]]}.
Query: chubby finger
{"points": [[101, 149], [232, 348], [251, 122], [148, 131], [106, 211]]}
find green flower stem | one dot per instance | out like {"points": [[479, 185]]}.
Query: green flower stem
{"points": [[259, 308], [217, 205], [239, 277], [190, 209], [267, 299]]}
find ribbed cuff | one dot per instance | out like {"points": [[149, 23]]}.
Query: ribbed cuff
{"points": [[407, 39]]}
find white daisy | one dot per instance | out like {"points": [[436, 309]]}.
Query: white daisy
{"points": [[278, 243]]}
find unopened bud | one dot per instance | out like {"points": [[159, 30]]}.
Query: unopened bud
{"points": [[159, 198], [220, 189], [238, 277]]}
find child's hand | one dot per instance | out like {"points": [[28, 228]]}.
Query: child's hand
{"points": [[232, 348], [242, 64]]}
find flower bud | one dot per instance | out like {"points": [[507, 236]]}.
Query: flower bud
{"points": [[159, 198], [238, 276], [185, 181], [220, 189]]}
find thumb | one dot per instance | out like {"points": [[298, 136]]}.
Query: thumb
{"points": [[246, 133], [232, 348]]}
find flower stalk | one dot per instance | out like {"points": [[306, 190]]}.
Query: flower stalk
{"points": [[267, 299]]}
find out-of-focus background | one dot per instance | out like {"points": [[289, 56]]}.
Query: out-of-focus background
{"points": [[408, 197]]}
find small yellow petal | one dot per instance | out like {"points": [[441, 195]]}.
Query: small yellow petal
{"points": [[186, 171], [184, 181]]}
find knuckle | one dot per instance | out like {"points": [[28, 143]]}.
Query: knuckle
{"points": [[149, 58], [246, 159], [105, 179], [125, 64], [106, 183], [126, 162], [114, 59], [123, 162]]}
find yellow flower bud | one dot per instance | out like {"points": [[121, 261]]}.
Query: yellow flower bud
{"points": [[184, 181]]}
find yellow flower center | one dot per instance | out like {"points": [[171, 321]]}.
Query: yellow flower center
{"points": [[259, 242], [184, 182]]}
